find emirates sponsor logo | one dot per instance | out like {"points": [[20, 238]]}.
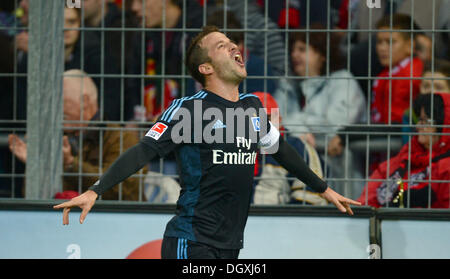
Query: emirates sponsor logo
{"points": [[236, 158]]}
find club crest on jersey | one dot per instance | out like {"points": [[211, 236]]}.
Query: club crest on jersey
{"points": [[157, 130], [255, 122]]}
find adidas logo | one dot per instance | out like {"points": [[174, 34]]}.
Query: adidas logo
{"points": [[219, 125]]}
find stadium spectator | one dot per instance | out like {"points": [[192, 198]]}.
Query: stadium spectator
{"points": [[392, 91], [329, 95], [158, 94], [89, 56], [159, 188], [299, 12], [412, 168], [98, 14], [287, 188], [327, 98], [423, 47], [421, 10], [391, 97], [437, 79], [364, 18], [80, 104], [77, 55], [163, 55], [268, 45], [254, 64], [433, 82]]}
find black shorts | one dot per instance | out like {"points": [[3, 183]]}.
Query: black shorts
{"points": [[180, 248]]}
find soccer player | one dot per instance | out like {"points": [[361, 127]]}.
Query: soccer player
{"points": [[216, 177]]}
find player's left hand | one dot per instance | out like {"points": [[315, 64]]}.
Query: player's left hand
{"points": [[84, 201], [341, 202]]}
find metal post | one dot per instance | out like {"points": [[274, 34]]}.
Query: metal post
{"points": [[44, 111]]}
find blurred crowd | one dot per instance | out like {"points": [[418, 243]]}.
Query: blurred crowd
{"points": [[337, 71]]}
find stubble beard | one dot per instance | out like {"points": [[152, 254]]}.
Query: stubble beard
{"points": [[229, 74]]}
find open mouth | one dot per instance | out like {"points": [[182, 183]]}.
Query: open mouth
{"points": [[238, 59]]}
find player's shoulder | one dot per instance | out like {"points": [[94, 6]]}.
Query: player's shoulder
{"points": [[201, 94], [247, 95], [184, 102], [251, 98]]}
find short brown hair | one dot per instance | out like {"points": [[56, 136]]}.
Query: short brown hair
{"points": [[196, 55], [400, 22], [318, 41]]}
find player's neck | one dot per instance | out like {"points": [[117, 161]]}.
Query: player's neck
{"points": [[229, 92]]}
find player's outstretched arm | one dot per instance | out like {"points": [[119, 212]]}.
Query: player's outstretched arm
{"points": [[289, 158], [128, 163]]}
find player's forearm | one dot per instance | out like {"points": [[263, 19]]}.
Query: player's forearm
{"points": [[128, 163], [289, 158]]}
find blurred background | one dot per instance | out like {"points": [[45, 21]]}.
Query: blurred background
{"points": [[361, 88]]}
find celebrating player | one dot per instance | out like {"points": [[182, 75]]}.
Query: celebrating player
{"points": [[216, 176]]}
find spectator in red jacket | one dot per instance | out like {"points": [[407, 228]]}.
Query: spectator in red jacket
{"points": [[436, 77], [434, 80], [416, 158], [391, 97]]}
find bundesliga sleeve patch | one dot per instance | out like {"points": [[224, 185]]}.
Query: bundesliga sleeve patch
{"points": [[157, 130]]}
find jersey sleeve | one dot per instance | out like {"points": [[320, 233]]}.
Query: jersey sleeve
{"points": [[270, 139], [165, 134], [269, 134]]}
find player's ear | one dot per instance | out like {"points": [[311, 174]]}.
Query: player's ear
{"points": [[205, 69]]}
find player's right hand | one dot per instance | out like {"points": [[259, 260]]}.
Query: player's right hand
{"points": [[84, 201], [341, 202]]}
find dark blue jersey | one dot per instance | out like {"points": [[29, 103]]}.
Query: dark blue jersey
{"points": [[215, 143]]}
